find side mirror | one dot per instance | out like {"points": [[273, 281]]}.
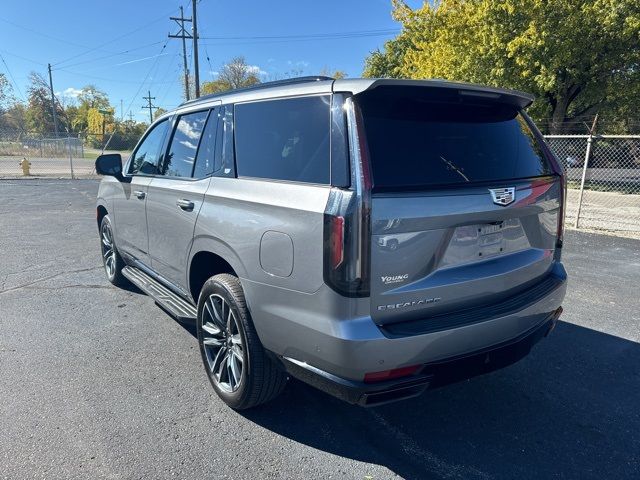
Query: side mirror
{"points": [[109, 164]]}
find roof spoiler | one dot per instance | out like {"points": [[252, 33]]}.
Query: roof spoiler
{"points": [[511, 97]]}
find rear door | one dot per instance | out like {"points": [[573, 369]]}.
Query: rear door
{"points": [[464, 205], [176, 194]]}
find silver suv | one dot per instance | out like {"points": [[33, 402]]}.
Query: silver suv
{"points": [[370, 237]]}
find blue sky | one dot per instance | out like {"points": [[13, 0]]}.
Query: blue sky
{"points": [[116, 45]]}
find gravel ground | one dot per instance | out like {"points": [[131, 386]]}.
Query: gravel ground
{"points": [[609, 212], [97, 382]]}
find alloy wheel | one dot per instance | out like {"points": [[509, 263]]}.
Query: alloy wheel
{"points": [[222, 343], [108, 252]]}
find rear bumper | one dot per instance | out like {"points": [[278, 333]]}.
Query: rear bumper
{"points": [[335, 338], [431, 375]]}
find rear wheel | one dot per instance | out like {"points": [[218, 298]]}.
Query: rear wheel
{"points": [[111, 259], [237, 365]]}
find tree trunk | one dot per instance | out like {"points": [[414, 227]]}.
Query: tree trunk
{"points": [[559, 115]]}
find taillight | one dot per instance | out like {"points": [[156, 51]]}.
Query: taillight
{"points": [[336, 241], [346, 266], [558, 170], [347, 231], [556, 166]]}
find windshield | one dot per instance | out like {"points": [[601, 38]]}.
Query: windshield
{"points": [[419, 140]]}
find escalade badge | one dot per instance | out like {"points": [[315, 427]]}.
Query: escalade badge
{"points": [[503, 196]]}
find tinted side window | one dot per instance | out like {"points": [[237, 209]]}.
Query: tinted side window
{"points": [[145, 158], [206, 162], [184, 145], [284, 139], [225, 151]]}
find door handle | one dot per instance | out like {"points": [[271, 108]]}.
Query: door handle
{"points": [[140, 194], [186, 205]]}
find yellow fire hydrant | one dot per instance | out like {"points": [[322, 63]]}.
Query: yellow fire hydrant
{"points": [[24, 163]]}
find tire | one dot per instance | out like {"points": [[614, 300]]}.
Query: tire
{"points": [[240, 371], [111, 259]]}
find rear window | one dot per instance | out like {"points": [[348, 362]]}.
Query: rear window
{"points": [[284, 139], [419, 141]]}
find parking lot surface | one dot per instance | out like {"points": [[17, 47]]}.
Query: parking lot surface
{"points": [[98, 382]]}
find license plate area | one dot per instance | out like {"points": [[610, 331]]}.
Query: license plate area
{"points": [[490, 239]]}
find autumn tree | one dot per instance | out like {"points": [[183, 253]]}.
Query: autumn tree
{"points": [[578, 57], [158, 113], [234, 74], [90, 97], [39, 116], [5, 93], [100, 123], [337, 74], [6, 101], [14, 118]]}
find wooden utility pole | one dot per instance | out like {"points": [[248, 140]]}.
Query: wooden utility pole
{"points": [[184, 35], [150, 106], [195, 50], [53, 102]]}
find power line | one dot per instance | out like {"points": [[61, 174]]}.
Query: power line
{"points": [[124, 52], [23, 58], [136, 94], [133, 82], [13, 80], [314, 36], [169, 85], [206, 52], [42, 34], [92, 49], [173, 69]]}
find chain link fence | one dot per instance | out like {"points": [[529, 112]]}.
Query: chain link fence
{"points": [[603, 174], [47, 155], [603, 171]]}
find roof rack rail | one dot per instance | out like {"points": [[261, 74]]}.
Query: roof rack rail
{"points": [[258, 86]]}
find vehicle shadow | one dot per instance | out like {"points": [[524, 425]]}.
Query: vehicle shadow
{"points": [[568, 410]]}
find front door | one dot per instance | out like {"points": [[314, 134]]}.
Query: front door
{"points": [[176, 194], [130, 205]]}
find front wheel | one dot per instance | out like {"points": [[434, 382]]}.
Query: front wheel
{"points": [[237, 365], [111, 259]]}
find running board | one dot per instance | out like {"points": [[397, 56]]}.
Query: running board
{"points": [[170, 302]]}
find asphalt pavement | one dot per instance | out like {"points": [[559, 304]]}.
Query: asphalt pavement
{"points": [[98, 382]]}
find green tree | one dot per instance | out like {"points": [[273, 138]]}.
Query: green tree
{"points": [[100, 123], [14, 118], [5, 93], [158, 113], [578, 57], [6, 103], [39, 116], [127, 134], [89, 98], [234, 74]]}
